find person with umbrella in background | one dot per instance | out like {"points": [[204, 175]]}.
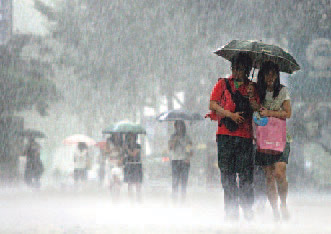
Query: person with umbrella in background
{"points": [[232, 103], [180, 146], [133, 171], [80, 162], [129, 152], [115, 154], [34, 167]]}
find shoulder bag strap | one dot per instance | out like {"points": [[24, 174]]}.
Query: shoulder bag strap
{"points": [[228, 87]]}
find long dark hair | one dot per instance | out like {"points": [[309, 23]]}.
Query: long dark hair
{"points": [[131, 140], [118, 141], [266, 68], [181, 124]]}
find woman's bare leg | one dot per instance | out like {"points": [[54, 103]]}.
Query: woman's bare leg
{"points": [[282, 184], [130, 191], [138, 192], [271, 189]]}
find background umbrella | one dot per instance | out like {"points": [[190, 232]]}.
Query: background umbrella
{"points": [[75, 139], [126, 127], [260, 52], [109, 129], [197, 117], [173, 115], [33, 133]]}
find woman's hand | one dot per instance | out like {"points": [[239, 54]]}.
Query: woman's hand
{"points": [[264, 112], [282, 114], [237, 118]]}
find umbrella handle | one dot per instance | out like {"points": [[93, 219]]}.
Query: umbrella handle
{"points": [[253, 70], [253, 74]]}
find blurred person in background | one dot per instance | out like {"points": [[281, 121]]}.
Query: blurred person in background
{"points": [[180, 146], [80, 162], [34, 166], [133, 171], [114, 155]]}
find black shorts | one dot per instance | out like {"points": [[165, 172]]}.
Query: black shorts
{"points": [[133, 173], [263, 159]]}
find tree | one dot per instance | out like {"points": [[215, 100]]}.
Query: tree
{"points": [[24, 85], [125, 55], [25, 80]]}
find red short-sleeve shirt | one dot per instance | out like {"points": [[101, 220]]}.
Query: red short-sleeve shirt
{"points": [[245, 129]]}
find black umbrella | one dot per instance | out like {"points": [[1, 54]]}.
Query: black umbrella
{"points": [[33, 133], [173, 115], [260, 52]]}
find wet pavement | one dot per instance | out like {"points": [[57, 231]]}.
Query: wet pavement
{"points": [[91, 210]]}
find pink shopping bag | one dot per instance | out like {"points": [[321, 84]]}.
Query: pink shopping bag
{"points": [[271, 138]]}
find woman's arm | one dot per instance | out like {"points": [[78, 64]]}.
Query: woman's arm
{"points": [[282, 114]]}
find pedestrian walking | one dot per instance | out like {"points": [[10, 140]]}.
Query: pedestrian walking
{"points": [[232, 102], [80, 162], [180, 146], [34, 166], [133, 172], [115, 154], [275, 100]]}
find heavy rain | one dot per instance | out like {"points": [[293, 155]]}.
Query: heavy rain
{"points": [[95, 94]]}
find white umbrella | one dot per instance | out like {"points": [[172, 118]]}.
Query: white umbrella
{"points": [[75, 139]]}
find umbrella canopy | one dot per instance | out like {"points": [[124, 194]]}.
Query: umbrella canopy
{"points": [[173, 115], [75, 139], [125, 127], [260, 52], [33, 133], [108, 129], [197, 116]]}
